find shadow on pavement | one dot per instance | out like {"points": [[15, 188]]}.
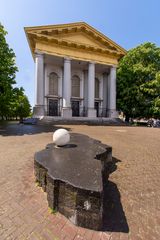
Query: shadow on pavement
{"points": [[114, 219], [112, 165], [16, 129]]}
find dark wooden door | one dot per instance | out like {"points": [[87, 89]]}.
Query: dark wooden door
{"points": [[96, 106], [75, 108], [53, 107]]}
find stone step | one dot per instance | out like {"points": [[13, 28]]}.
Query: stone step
{"points": [[81, 121]]}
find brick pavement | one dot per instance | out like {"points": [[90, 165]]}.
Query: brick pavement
{"points": [[133, 209]]}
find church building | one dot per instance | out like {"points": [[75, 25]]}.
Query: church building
{"points": [[75, 71]]}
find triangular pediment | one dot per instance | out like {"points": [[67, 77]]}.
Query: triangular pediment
{"points": [[74, 35], [80, 38]]}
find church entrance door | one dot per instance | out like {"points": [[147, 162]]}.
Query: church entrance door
{"points": [[75, 108], [96, 106], [53, 107]]}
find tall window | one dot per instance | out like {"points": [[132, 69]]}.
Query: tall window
{"points": [[75, 86], [96, 88], [53, 84]]}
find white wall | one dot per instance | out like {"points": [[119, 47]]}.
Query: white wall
{"points": [[83, 75], [58, 70], [80, 74], [49, 68]]}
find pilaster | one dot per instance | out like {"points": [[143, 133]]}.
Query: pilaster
{"points": [[39, 85], [66, 110], [112, 94], [91, 90]]}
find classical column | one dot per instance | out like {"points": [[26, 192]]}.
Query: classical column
{"points": [[85, 90], [91, 90], [105, 94], [66, 110], [82, 113], [39, 85], [112, 94]]}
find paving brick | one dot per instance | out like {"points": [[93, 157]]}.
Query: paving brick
{"points": [[61, 224], [33, 236], [134, 186], [19, 231], [81, 231], [79, 237], [106, 236], [88, 234], [47, 235], [96, 236], [69, 230]]}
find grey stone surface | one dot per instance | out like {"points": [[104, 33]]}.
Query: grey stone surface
{"points": [[79, 163]]}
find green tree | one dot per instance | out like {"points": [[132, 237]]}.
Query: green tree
{"points": [[20, 106], [8, 71], [138, 82]]}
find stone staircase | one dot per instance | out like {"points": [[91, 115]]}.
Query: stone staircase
{"points": [[47, 120]]}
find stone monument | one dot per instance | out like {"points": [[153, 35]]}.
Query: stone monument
{"points": [[74, 177]]}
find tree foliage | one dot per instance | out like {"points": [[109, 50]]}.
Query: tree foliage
{"points": [[138, 82], [20, 106], [13, 102], [7, 73]]}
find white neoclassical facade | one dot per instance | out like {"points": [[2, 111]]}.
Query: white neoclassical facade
{"points": [[75, 71]]}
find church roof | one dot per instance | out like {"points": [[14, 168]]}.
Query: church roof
{"points": [[79, 36]]}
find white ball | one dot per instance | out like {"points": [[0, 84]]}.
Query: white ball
{"points": [[61, 137]]}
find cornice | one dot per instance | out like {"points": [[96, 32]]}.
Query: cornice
{"points": [[73, 27], [49, 34], [71, 44]]}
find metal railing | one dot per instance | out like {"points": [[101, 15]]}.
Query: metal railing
{"points": [[76, 112], [52, 111], [101, 112]]}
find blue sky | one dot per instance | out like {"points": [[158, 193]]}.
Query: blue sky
{"points": [[127, 22]]}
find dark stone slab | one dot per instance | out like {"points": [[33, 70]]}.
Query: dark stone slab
{"points": [[74, 178], [77, 163]]}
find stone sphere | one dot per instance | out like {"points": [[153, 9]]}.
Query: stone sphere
{"points": [[61, 137]]}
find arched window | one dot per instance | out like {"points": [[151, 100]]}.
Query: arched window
{"points": [[75, 86], [96, 88], [53, 84]]}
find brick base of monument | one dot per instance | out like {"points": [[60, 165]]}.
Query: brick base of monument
{"points": [[75, 187], [83, 208]]}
